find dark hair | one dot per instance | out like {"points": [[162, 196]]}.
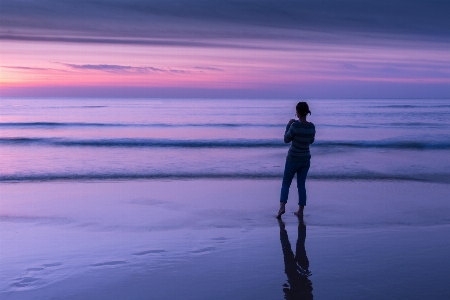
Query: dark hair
{"points": [[302, 109]]}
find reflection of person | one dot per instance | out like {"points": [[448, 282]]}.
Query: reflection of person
{"points": [[296, 267], [301, 133]]}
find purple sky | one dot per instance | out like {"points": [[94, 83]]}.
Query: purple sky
{"points": [[252, 48]]}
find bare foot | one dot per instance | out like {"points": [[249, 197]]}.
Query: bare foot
{"points": [[299, 213], [280, 212]]}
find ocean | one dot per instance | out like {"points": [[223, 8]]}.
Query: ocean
{"points": [[176, 199], [129, 139]]}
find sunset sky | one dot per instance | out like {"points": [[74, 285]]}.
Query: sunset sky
{"points": [[242, 48]]}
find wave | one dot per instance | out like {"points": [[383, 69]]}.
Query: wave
{"points": [[415, 124], [145, 143], [221, 143], [55, 124], [75, 106], [410, 106], [50, 125], [82, 124], [383, 125], [390, 144], [359, 176]]}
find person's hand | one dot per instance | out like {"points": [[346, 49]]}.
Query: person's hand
{"points": [[291, 121]]}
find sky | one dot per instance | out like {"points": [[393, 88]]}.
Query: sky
{"points": [[221, 49]]}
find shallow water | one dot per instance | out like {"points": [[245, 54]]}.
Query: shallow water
{"points": [[198, 239], [72, 139]]}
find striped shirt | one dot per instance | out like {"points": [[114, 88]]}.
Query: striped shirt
{"points": [[301, 135]]}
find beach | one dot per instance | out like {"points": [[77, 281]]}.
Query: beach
{"points": [[202, 239], [145, 147], [176, 199]]}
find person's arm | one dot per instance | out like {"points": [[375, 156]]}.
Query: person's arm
{"points": [[289, 133], [314, 136]]}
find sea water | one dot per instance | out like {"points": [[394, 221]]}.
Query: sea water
{"points": [[97, 201], [104, 139]]}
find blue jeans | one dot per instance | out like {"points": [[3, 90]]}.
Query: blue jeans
{"points": [[292, 167]]}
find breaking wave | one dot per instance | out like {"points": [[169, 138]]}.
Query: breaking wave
{"points": [[356, 176], [220, 143]]}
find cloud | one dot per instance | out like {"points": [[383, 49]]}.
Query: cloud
{"points": [[27, 68], [313, 40], [130, 41], [208, 69], [32, 68], [178, 71], [114, 68], [122, 69], [84, 21], [349, 66], [100, 67]]}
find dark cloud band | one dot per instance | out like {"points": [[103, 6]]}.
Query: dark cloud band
{"points": [[128, 41], [204, 19]]}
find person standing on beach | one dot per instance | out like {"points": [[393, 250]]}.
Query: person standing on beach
{"points": [[301, 133]]}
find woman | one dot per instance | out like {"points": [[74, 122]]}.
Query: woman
{"points": [[301, 133]]}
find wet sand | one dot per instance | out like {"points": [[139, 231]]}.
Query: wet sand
{"points": [[203, 239]]}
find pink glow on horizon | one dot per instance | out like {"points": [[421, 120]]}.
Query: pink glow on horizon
{"points": [[26, 64]]}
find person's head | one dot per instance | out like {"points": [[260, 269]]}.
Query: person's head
{"points": [[302, 109]]}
